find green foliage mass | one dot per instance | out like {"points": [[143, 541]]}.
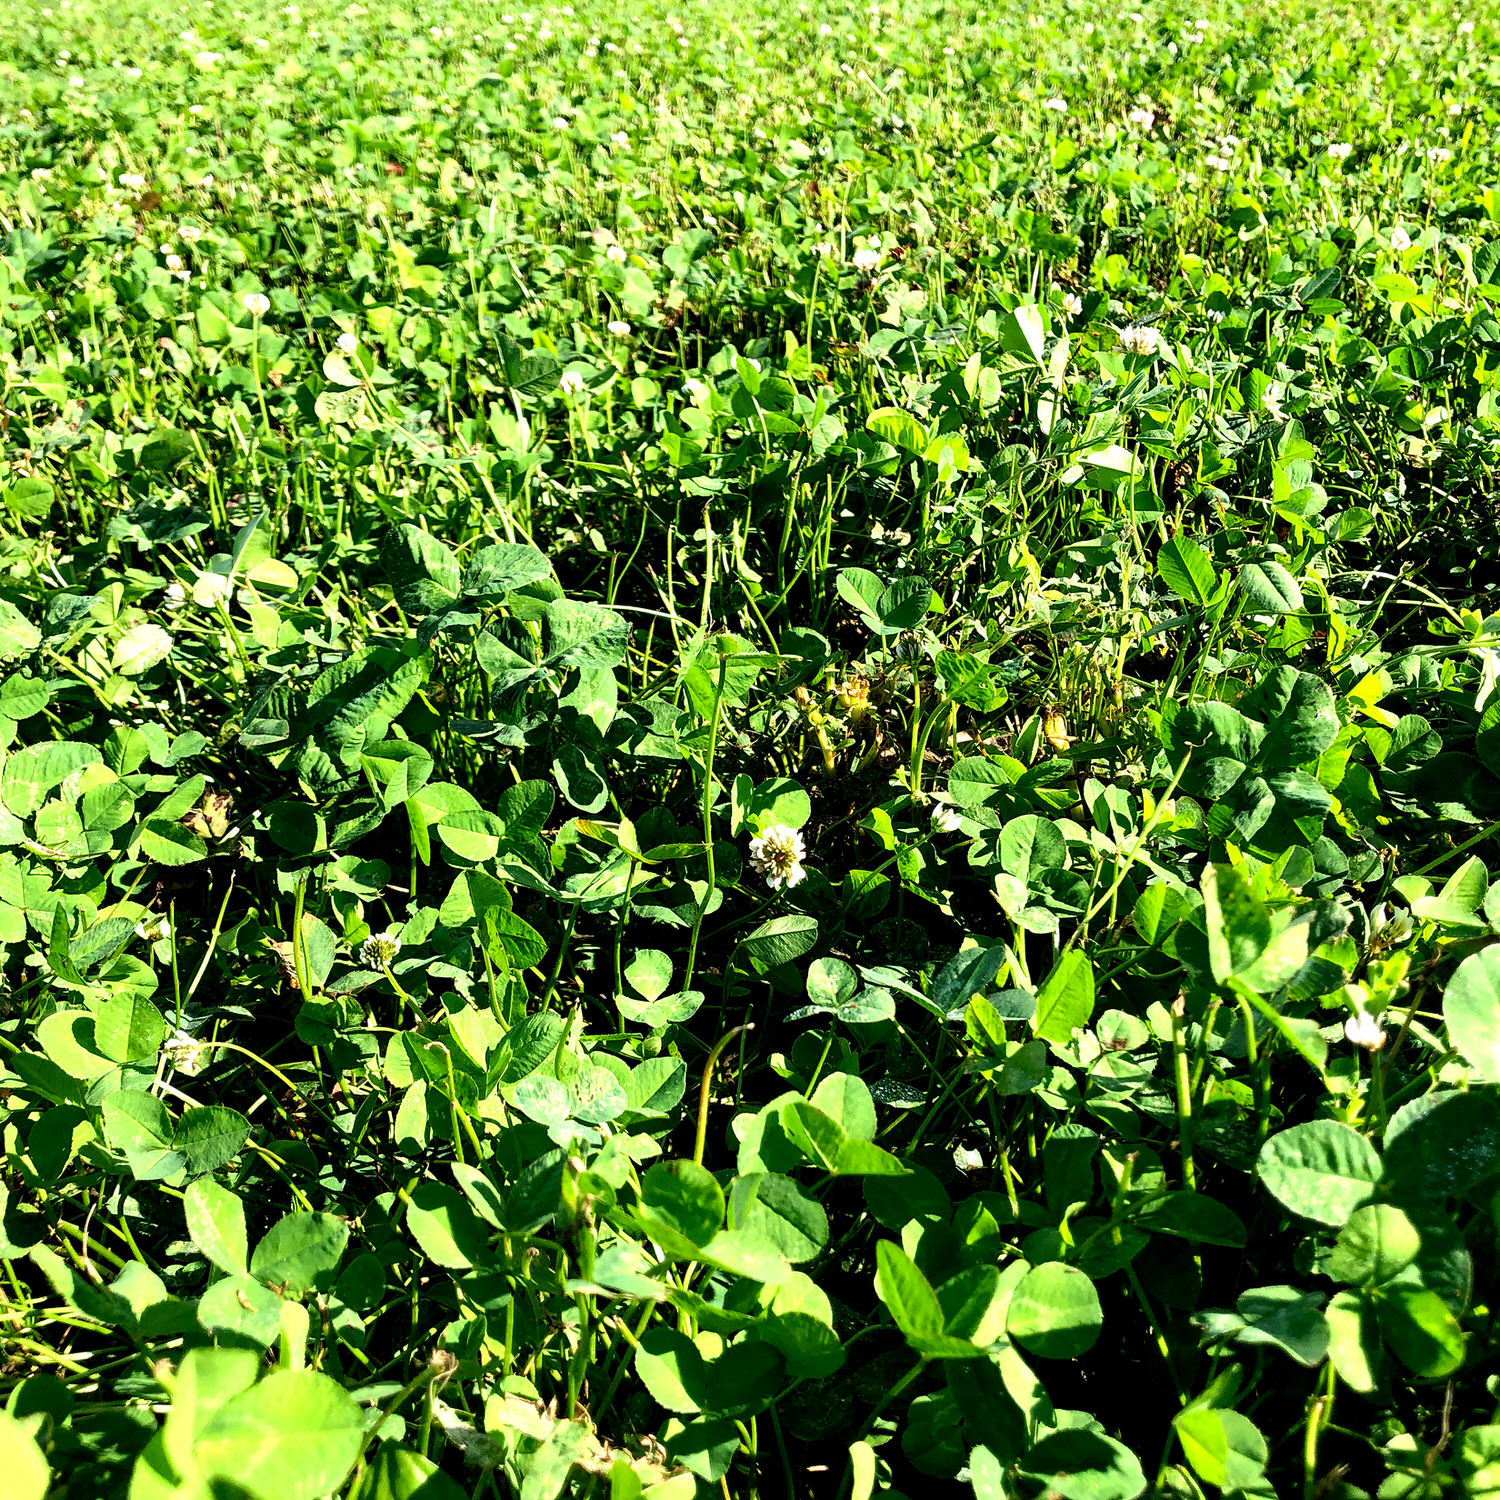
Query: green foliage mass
{"points": [[751, 752]]}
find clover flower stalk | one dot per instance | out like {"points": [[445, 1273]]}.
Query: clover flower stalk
{"points": [[777, 856], [257, 304]]}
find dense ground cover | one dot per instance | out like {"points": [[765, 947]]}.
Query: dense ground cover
{"points": [[749, 751]]}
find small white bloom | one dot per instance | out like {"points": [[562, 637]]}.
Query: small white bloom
{"points": [[175, 596], [777, 856], [866, 258], [1057, 106], [174, 262], [1365, 1030], [189, 232], [823, 249], [1218, 163], [184, 1052], [1466, 28], [153, 929], [619, 138], [695, 390], [559, 123], [618, 327], [75, 82], [257, 304], [946, 819], [1340, 150], [1454, 111], [1400, 240], [825, 29], [1073, 304], [377, 950], [1145, 118], [571, 383], [616, 253], [1138, 339], [135, 181], [261, 43], [1439, 154], [347, 343], [207, 59]]}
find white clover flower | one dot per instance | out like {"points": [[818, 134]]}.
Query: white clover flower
{"points": [[146, 372], [174, 262], [777, 855], [618, 327], [75, 82], [184, 1052], [559, 123], [1466, 28], [823, 249], [377, 950], [1057, 106], [1340, 150], [1439, 154], [1454, 111], [695, 390], [1073, 304], [1218, 163], [1139, 339], [866, 258], [261, 43], [153, 929], [189, 232], [1145, 118], [133, 72], [1400, 240], [825, 29], [135, 181], [619, 138], [1213, 315], [571, 383], [257, 304], [616, 253], [347, 343], [946, 819], [1365, 1030], [207, 59]]}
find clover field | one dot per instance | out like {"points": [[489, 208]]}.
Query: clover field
{"points": [[749, 751]]}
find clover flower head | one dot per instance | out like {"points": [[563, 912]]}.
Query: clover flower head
{"points": [[777, 855], [348, 343], [1139, 339], [617, 327], [866, 258], [1145, 118], [257, 304], [135, 181], [184, 1052], [1057, 106], [1400, 240], [616, 253], [1365, 1030], [153, 929], [1073, 304], [379, 949], [946, 819], [175, 595], [571, 383], [1340, 150]]}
